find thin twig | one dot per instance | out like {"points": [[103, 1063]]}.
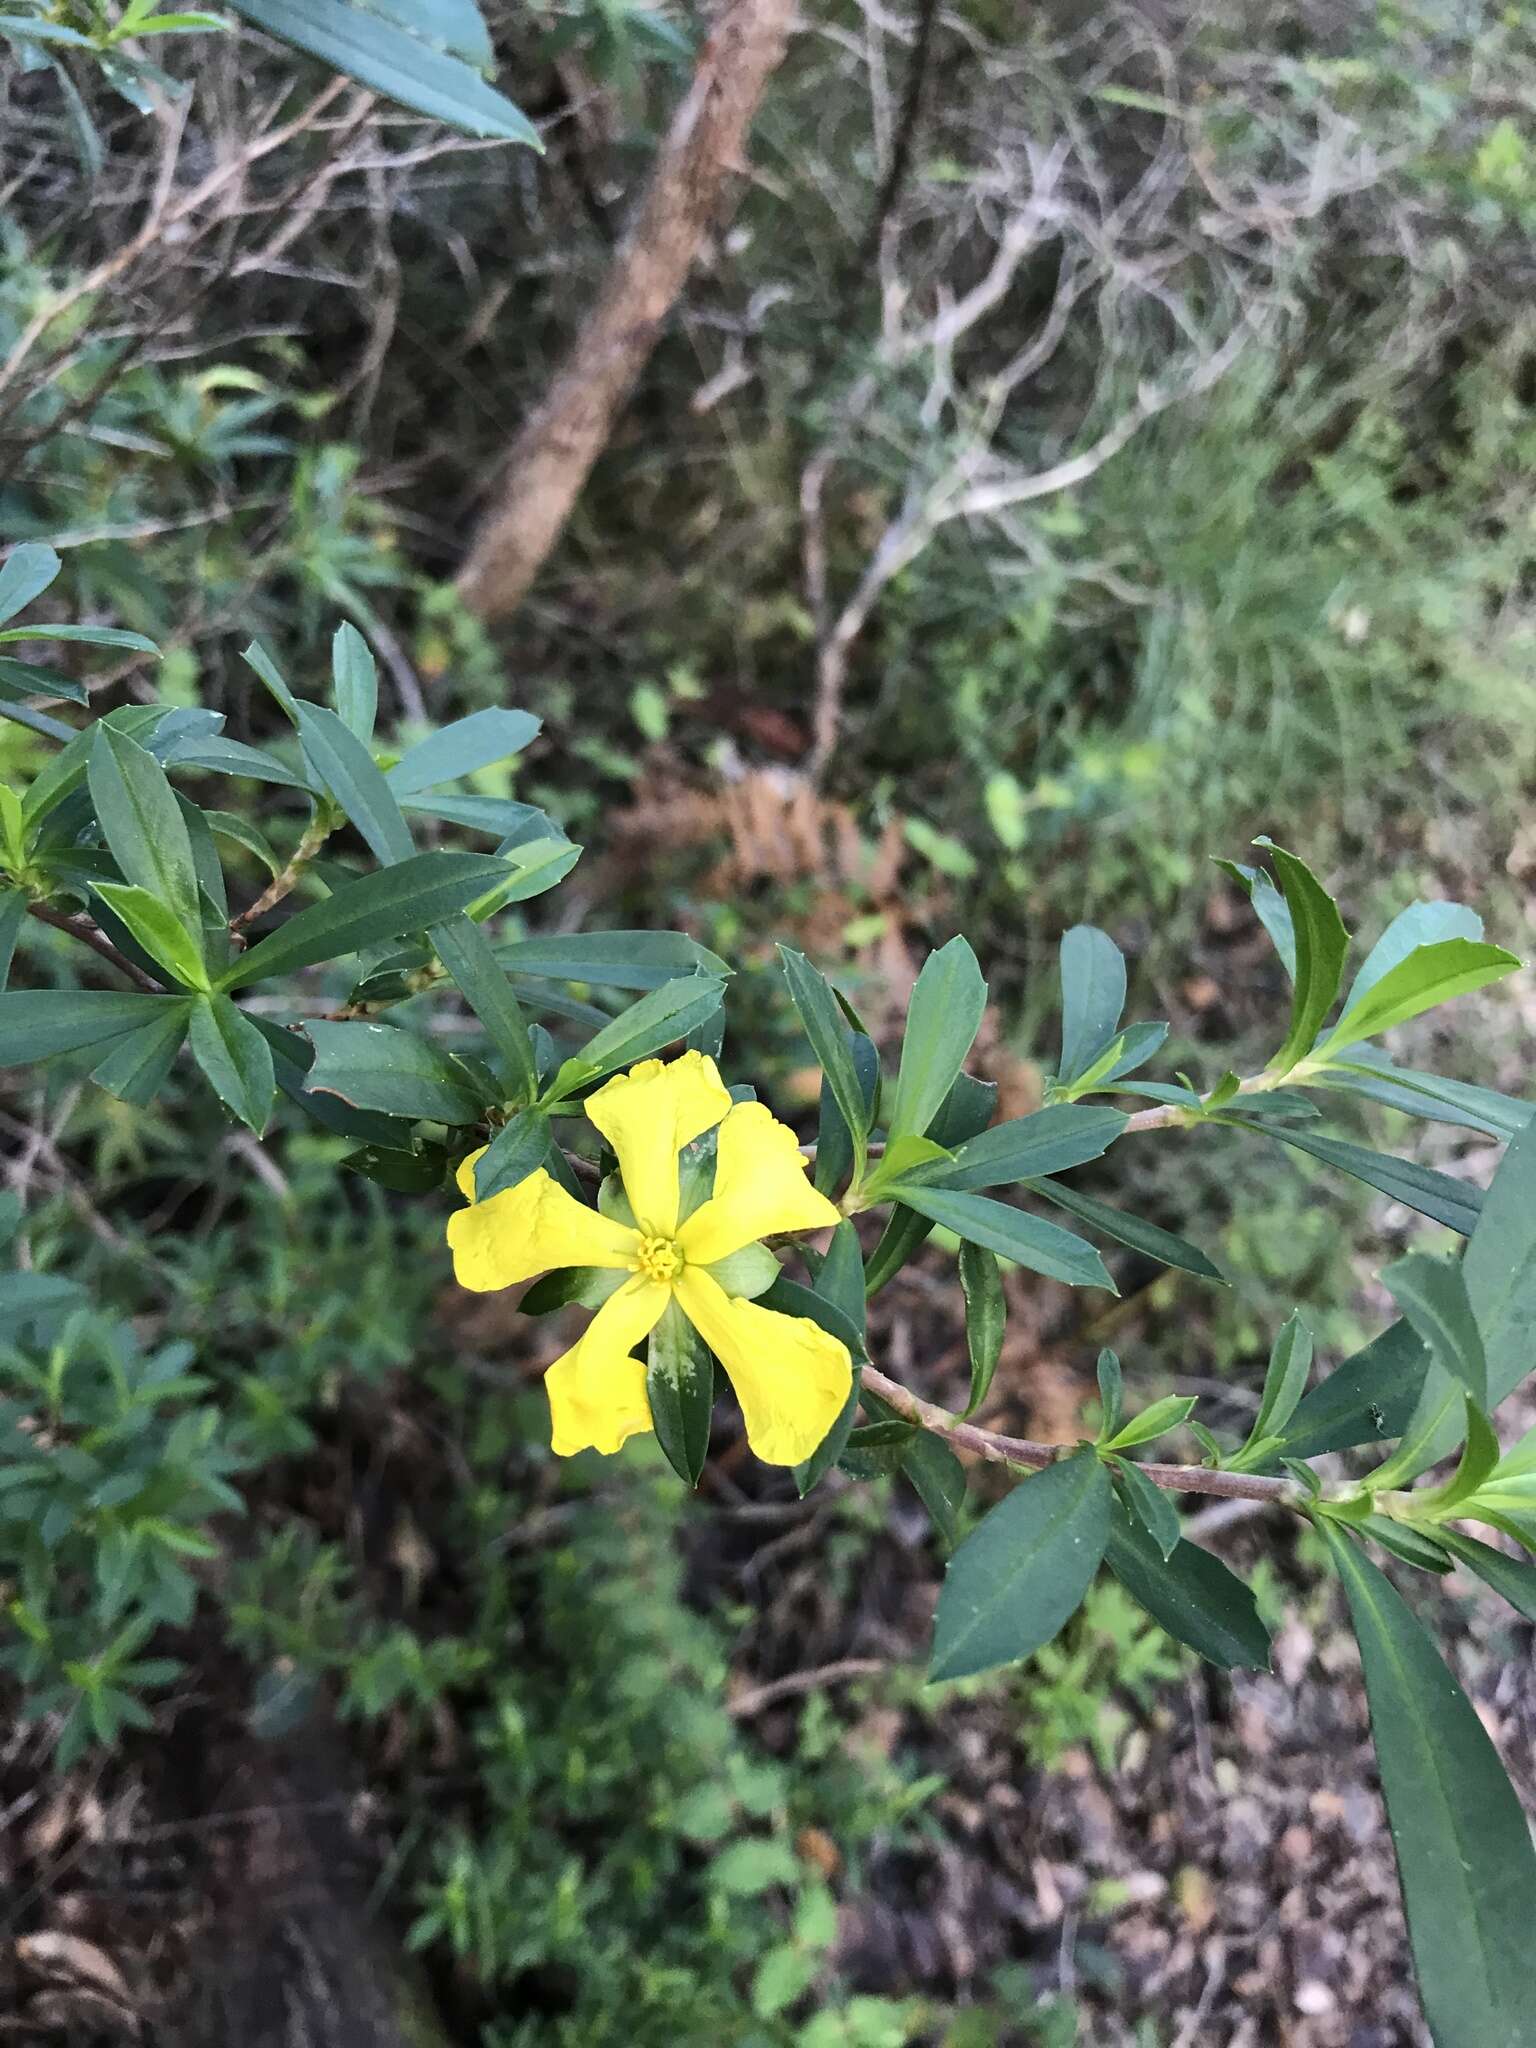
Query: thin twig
{"points": [[746, 1704], [90, 934]]}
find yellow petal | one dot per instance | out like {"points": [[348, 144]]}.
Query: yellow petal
{"points": [[760, 1187], [648, 1115], [528, 1229], [791, 1376], [596, 1390]]}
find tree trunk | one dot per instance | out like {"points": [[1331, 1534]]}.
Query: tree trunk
{"points": [[552, 455]]}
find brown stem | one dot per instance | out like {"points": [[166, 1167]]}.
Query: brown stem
{"points": [[1018, 1450], [89, 934], [318, 830]]}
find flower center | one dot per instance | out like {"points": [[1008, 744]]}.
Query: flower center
{"points": [[660, 1258]]}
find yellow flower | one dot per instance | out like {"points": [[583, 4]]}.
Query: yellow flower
{"points": [[791, 1376]]}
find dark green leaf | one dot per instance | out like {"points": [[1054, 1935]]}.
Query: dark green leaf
{"points": [[469, 957], [13, 915], [136, 1066], [1321, 946], [354, 680], [1135, 1231], [1150, 1506], [789, 1298], [21, 681], [1029, 1147], [517, 1150], [349, 772], [1273, 910], [1011, 1233], [478, 741], [1024, 1570], [374, 1066], [1513, 1578], [938, 1477], [1366, 1400], [1451, 1202], [1111, 1394], [943, 1017], [890, 1433], [967, 1111], [36, 1024], [219, 756], [409, 897], [1432, 1294], [665, 1014], [1132, 1049], [1092, 998], [829, 1036], [1191, 1594], [1290, 1361], [235, 1059], [1424, 1552], [1500, 1269], [89, 636], [142, 823], [840, 1283], [680, 1386], [578, 1286], [389, 60], [834, 1140], [638, 960], [1463, 1844], [1372, 1075], [986, 1314]]}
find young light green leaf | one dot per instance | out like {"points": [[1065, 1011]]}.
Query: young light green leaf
{"points": [[1321, 946], [1153, 1421], [457, 750], [142, 823], [1024, 1570], [943, 1018], [680, 1386], [829, 1035], [408, 897], [469, 957], [517, 1150], [375, 1066], [1028, 1147], [349, 772], [354, 681], [1432, 975], [1092, 998], [37, 1024], [1290, 1361], [1149, 1505], [986, 1313], [154, 926], [1189, 1593], [1011, 1233], [1479, 1458], [1421, 924], [235, 1059], [1463, 1844], [1500, 1269], [1135, 1231]]}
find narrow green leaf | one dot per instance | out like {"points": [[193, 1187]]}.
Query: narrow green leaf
{"points": [[388, 60], [829, 1036], [1135, 1231], [834, 1141], [943, 1018], [1191, 1594], [1432, 1294], [1454, 1203], [1153, 1421], [986, 1315], [1029, 1147], [167, 942], [1024, 1570], [141, 821], [938, 1477], [354, 681], [1321, 946], [1479, 1459], [1111, 1394], [1368, 1399], [235, 1059], [1413, 1546], [1430, 1096], [479, 741], [469, 957], [665, 1014], [571, 1286], [1432, 975], [1092, 998], [637, 960], [136, 1065], [1421, 924], [88, 636], [1463, 1844], [27, 573], [680, 1386], [1011, 1233], [1274, 912], [840, 1283], [375, 1066], [408, 897], [349, 772], [37, 1024], [1290, 1361], [13, 915], [1500, 1269], [1150, 1506], [517, 1150], [1513, 1578]]}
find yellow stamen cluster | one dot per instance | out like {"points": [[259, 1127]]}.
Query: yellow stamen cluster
{"points": [[658, 1258]]}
